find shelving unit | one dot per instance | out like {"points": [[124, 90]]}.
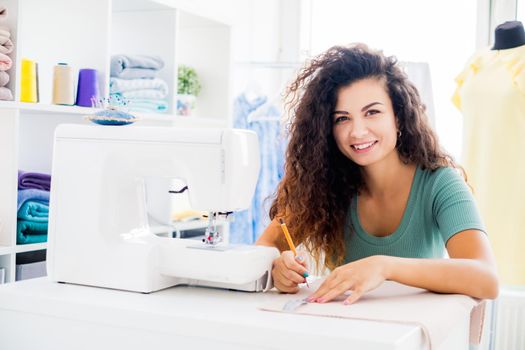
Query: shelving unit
{"points": [[85, 34]]}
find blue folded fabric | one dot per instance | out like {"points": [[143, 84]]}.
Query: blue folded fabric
{"points": [[147, 110], [32, 194], [28, 232], [34, 211], [121, 62], [119, 86], [137, 73], [147, 105]]}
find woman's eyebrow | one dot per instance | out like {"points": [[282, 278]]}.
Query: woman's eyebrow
{"points": [[362, 109], [370, 105]]}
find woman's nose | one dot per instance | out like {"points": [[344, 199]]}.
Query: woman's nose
{"points": [[359, 129]]}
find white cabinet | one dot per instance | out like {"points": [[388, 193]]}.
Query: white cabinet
{"points": [[85, 34]]}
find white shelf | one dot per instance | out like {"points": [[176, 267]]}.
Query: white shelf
{"points": [[138, 5], [20, 248], [42, 108]]}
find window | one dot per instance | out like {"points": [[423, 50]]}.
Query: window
{"points": [[442, 33]]}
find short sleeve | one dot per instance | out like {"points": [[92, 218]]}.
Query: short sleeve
{"points": [[460, 79], [453, 205], [470, 68]]}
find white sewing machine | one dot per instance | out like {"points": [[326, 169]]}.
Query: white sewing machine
{"points": [[98, 224]]}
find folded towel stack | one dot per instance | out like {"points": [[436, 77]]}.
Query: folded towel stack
{"points": [[33, 207], [134, 78], [6, 47]]}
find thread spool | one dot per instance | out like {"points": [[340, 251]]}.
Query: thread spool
{"points": [[63, 85], [28, 81], [87, 87]]}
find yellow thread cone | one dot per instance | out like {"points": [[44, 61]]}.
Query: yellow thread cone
{"points": [[28, 88]]}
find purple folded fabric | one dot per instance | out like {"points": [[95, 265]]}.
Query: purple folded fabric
{"points": [[33, 180], [32, 194]]}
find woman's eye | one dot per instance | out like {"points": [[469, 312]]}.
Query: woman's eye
{"points": [[340, 119], [372, 112]]}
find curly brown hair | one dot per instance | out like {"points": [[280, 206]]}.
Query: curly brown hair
{"points": [[320, 181]]}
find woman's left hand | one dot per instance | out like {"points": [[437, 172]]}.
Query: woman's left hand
{"points": [[360, 276]]}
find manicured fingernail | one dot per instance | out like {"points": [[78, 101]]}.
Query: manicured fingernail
{"points": [[320, 300], [346, 302], [305, 274], [309, 299], [300, 258]]}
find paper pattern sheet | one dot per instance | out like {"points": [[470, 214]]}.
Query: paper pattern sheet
{"points": [[436, 313]]}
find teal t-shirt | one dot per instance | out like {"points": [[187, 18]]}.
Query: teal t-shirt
{"points": [[439, 205]]}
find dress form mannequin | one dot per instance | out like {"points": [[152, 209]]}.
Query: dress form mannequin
{"points": [[490, 94], [509, 35]]}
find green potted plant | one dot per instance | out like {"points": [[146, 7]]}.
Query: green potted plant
{"points": [[188, 87]]}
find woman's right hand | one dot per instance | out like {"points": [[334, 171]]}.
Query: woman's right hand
{"points": [[288, 271]]}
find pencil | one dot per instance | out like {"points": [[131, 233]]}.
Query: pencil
{"points": [[288, 237], [291, 245]]}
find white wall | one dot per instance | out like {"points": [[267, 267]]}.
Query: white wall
{"points": [[255, 30], [256, 38], [203, 45]]}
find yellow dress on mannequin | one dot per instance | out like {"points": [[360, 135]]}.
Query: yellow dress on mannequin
{"points": [[491, 96]]}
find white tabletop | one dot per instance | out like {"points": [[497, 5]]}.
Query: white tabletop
{"points": [[42, 314]]}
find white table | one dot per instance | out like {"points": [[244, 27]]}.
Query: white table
{"points": [[40, 314]]}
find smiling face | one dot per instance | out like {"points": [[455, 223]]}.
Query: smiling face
{"points": [[364, 124]]}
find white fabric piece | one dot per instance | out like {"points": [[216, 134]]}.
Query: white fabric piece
{"points": [[5, 94], [6, 45], [4, 78], [437, 314], [3, 13], [4, 31]]}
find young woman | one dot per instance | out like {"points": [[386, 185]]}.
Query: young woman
{"points": [[368, 187]]}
